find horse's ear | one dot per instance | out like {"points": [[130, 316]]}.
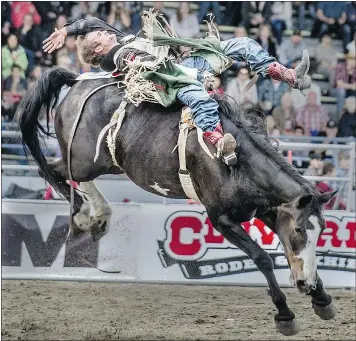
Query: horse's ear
{"points": [[304, 201], [325, 197]]}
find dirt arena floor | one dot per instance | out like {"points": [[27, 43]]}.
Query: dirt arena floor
{"points": [[50, 310]]}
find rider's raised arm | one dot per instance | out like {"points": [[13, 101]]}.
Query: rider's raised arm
{"points": [[85, 26]]}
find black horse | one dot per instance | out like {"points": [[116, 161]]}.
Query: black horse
{"points": [[261, 185]]}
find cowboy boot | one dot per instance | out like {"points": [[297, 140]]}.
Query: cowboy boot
{"points": [[296, 78], [225, 144]]}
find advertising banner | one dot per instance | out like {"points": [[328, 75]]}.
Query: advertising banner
{"points": [[158, 243]]}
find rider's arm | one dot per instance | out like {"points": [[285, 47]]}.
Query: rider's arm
{"points": [[85, 26]]}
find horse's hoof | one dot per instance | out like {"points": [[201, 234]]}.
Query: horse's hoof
{"points": [[326, 313], [288, 328]]}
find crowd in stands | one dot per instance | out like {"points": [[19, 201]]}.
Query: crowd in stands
{"points": [[24, 25]]}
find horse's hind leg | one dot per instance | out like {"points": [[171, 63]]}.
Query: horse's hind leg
{"points": [[236, 235], [100, 220], [81, 208]]}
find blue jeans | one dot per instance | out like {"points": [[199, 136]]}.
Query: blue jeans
{"points": [[205, 110], [278, 26]]}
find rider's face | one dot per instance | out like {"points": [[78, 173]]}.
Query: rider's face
{"points": [[103, 40]]}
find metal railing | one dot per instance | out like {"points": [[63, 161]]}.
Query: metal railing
{"points": [[290, 146]]}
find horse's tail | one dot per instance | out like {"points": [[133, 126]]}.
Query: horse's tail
{"points": [[37, 99]]}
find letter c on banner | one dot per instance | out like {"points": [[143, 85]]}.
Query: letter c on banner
{"points": [[177, 245]]}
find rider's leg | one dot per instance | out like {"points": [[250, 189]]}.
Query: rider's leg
{"points": [[248, 50], [206, 116]]}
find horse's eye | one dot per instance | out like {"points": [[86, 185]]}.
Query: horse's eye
{"points": [[298, 230]]}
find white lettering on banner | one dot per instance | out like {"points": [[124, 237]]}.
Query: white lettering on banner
{"points": [[281, 261], [249, 264], [206, 270], [351, 264], [235, 265]]}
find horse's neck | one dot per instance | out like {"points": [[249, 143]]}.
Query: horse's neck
{"points": [[268, 177]]}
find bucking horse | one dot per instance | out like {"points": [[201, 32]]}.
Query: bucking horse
{"points": [[262, 184]]}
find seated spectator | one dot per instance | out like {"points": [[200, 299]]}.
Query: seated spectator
{"points": [[119, 17], [345, 81], [18, 11], [240, 32], [265, 40], [204, 10], [351, 47], [316, 165], [232, 15], [13, 53], [325, 186], [342, 171], [61, 21], [30, 38], [34, 76], [350, 25], [292, 50], [312, 116], [347, 124], [159, 6], [70, 50], [325, 56], [300, 99], [284, 115], [299, 132], [184, 22], [5, 19], [255, 13], [331, 17], [329, 134], [301, 6], [270, 92], [235, 87], [281, 18], [15, 87]]}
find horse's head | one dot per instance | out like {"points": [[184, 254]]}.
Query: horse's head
{"points": [[299, 225]]}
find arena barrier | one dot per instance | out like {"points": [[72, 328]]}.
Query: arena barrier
{"points": [[157, 243]]}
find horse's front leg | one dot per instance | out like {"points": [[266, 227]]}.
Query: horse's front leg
{"points": [[321, 301], [236, 235]]}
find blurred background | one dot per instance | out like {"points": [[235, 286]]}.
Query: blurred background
{"points": [[326, 115]]}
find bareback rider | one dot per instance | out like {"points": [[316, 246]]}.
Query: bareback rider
{"points": [[101, 44]]}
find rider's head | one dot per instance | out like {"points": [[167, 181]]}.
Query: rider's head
{"points": [[94, 46]]}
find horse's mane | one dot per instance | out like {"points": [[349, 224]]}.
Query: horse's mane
{"points": [[253, 123]]}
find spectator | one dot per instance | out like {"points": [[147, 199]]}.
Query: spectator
{"points": [[265, 40], [34, 76], [299, 132], [240, 32], [345, 81], [351, 47], [159, 6], [205, 6], [325, 186], [350, 25], [15, 87], [70, 50], [235, 87], [331, 17], [316, 165], [347, 124], [325, 56], [61, 21], [329, 134], [255, 13], [300, 99], [233, 15], [312, 117], [281, 18], [13, 53], [5, 19], [184, 22], [301, 6], [270, 92], [119, 17], [292, 50], [342, 171], [31, 40], [284, 115], [20, 9], [271, 128]]}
